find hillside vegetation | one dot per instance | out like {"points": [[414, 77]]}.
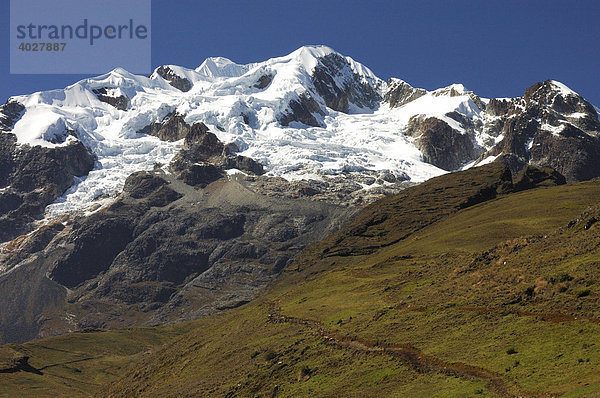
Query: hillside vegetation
{"points": [[457, 287]]}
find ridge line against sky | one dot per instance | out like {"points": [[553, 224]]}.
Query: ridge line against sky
{"points": [[495, 48]]}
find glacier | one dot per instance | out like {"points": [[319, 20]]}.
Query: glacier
{"points": [[225, 96]]}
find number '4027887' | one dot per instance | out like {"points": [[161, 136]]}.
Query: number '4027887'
{"points": [[42, 46]]}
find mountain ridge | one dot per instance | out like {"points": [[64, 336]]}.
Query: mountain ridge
{"points": [[257, 107], [133, 192]]}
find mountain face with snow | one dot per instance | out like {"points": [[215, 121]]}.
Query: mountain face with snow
{"points": [[185, 192], [549, 126], [308, 115]]}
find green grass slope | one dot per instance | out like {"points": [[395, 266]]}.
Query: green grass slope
{"points": [[454, 289], [78, 364]]}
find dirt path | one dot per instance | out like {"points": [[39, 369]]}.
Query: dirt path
{"points": [[69, 362], [409, 355]]}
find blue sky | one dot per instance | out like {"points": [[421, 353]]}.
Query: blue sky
{"points": [[495, 48]]}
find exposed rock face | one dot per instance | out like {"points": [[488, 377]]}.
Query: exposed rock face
{"points": [[197, 174], [497, 107], [204, 158], [180, 83], [400, 93], [548, 126], [561, 105], [94, 247], [173, 128], [243, 163], [162, 252], [9, 114], [120, 102], [440, 144], [345, 189], [263, 82], [303, 110], [340, 86], [203, 142], [152, 189], [8, 145], [531, 177], [32, 178], [20, 248], [30, 290], [573, 153]]}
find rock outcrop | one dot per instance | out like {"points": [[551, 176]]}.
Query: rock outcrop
{"points": [[121, 102], [263, 82], [531, 177], [400, 93], [440, 144], [179, 82], [13, 361], [163, 251], [31, 178], [550, 126], [204, 158], [172, 128], [9, 114], [340, 86], [302, 110]]}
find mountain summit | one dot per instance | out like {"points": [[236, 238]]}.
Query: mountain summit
{"points": [[307, 115], [186, 192]]}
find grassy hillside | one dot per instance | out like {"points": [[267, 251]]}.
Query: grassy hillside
{"points": [[427, 294], [78, 364]]}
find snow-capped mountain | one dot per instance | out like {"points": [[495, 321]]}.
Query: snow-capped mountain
{"points": [[167, 197], [308, 115]]}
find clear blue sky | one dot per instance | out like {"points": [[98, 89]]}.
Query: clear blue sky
{"points": [[495, 48]]}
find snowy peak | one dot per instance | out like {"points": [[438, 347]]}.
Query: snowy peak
{"points": [[453, 90], [311, 114], [215, 69], [220, 67], [120, 78], [551, 125], [558, 97], [398, 93], [315, 72], [305, 58], [345, 85], [544, 92], [312, 56], [564, 90], [211, 70], [554, 106]]}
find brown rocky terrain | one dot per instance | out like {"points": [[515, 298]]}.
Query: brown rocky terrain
{"points": [[170, 247], [547, 127], [33, 177]]}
